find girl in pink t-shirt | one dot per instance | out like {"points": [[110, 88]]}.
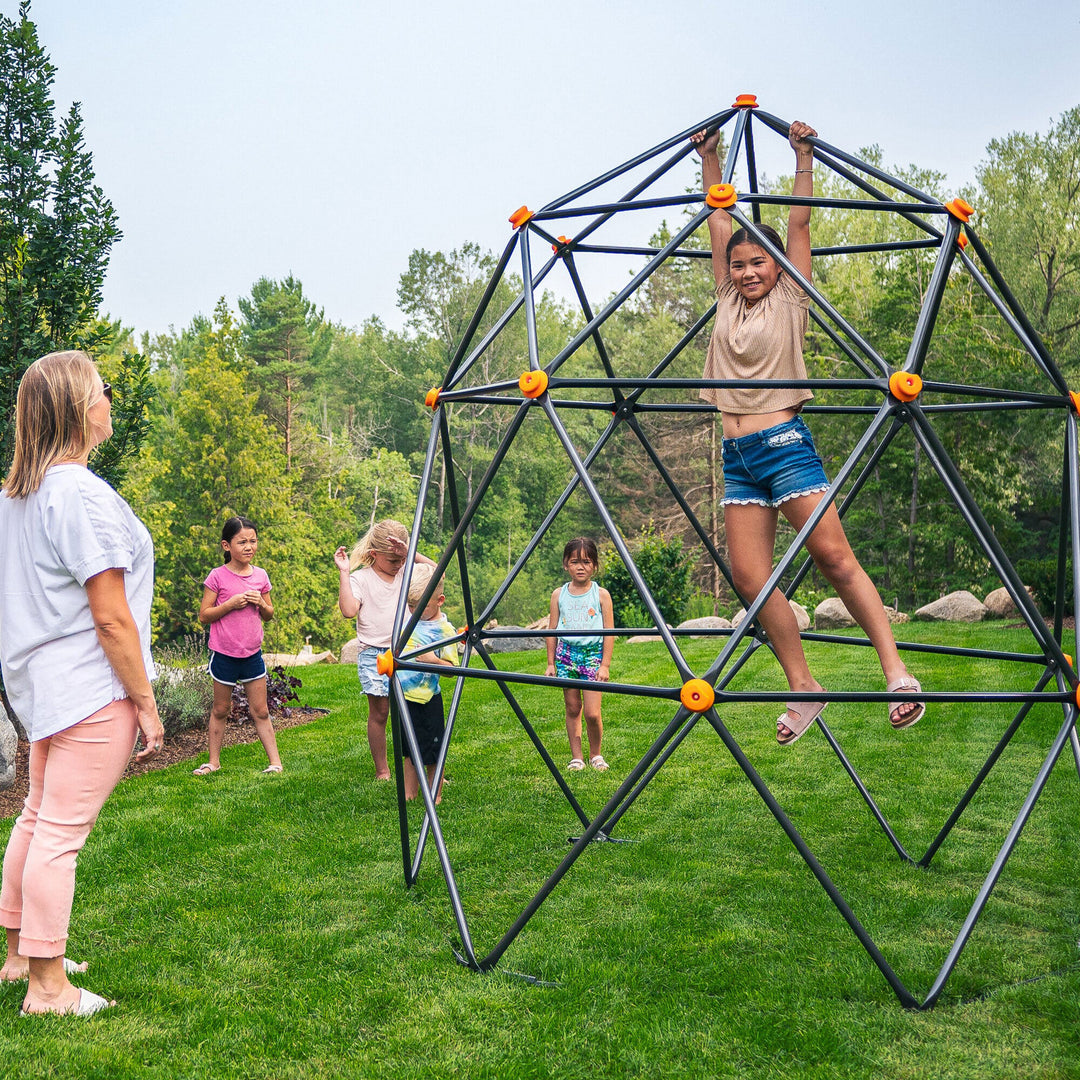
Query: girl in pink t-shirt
{"points": [[235, 604], [369, 583]]}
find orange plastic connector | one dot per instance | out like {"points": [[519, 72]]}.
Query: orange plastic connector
{"points": [[1068, 656], [721, 195], [533, 383], [562, 245], [697, 695], [431, 399], [905, 385], [1074, 397], [384, 663], [745, 101], [521, 216], [962, 240], [1078, 695], [960, 209]]}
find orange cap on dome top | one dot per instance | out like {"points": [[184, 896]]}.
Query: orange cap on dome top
{"points": [[521, 216], [745, 101], [960, 209]]}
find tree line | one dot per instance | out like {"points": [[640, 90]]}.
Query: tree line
{"points": [[271, 409]]}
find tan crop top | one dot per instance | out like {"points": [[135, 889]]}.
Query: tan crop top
{"points": [[763, 341]]}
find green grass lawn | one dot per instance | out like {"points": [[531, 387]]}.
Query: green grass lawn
{"points": [[257, 926]]}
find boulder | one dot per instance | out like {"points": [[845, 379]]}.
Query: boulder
{"points": [[1000, 604], [301, 659], [9, 745], [958, 606], [349, 652], [802, 616], [831, 614], [515, 644], [641, 639], [706, 622]]}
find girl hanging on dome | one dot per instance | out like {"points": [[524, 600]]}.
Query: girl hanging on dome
{"points": [[770, 463]]}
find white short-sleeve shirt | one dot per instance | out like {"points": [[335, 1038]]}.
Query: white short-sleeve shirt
{"points": [[51, 542]]}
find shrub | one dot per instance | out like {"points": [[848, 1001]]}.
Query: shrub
{"points": [[1041, 575], [183, 689], [665, 567], [280, 690]]}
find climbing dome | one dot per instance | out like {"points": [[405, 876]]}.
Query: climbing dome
{"points": [[604, 220]]}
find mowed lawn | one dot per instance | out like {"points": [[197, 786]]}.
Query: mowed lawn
{"points": [[258, 926]]}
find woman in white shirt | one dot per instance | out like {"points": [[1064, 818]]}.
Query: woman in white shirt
{"points": [[76, 584]]}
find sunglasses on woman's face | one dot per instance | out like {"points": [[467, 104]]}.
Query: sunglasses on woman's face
{"points": [[106, 392]]}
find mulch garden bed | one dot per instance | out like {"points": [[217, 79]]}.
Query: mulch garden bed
{"points": [[183, 746]]}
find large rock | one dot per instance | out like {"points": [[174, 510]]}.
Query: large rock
{"points": [[301, 659], [349, 652], [831, 614], [802, 616], [515, 644], [958, 606], [1001, 605], [706, 622], [9, 745]]}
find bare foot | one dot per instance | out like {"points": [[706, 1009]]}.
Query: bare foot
{"points": [[382, 776], [17, 968]]}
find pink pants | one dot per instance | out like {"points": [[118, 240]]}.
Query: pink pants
{"points": [[71, 776]]}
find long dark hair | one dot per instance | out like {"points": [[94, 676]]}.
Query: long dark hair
{"points": [[744, 236], [231, 527]]}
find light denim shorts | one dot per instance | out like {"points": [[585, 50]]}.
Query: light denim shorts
{"points": [[769, 467], [371, 682]]}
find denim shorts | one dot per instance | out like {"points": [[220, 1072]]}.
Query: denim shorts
{"points": [[231, 670], [769, 467], [371, 682]]}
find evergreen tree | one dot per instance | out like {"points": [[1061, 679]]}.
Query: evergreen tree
{"points": [[57, 228]]}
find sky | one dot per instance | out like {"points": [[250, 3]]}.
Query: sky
{"points": [[239, 139]]}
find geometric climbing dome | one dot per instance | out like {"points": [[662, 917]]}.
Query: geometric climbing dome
{"points": [[530, 386]]}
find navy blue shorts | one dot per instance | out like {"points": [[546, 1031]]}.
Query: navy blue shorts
{"points": [[429, 725], [231, 670], [769, 467]]}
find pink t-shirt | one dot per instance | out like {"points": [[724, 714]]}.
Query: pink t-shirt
{"points": [[378, 602], [237, 633]]}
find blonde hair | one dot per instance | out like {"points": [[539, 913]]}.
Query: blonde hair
{"points": [[51, 424], [375, 540], [421, 575]]}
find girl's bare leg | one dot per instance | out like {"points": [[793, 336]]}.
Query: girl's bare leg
{"points": [[378, 713], [751, 532], [219, 714], [829, 547], [260, 714], [593, 722], [572, 698]]}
